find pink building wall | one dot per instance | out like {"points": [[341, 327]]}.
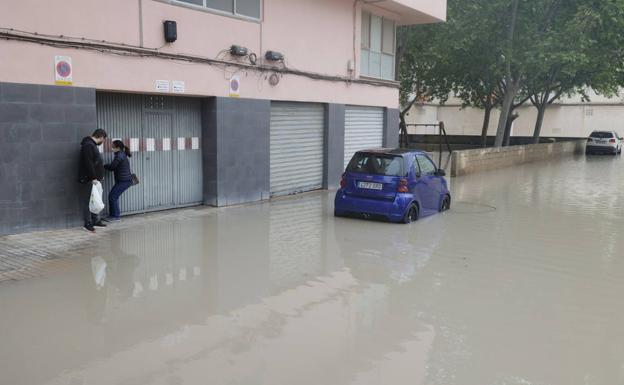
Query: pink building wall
{"points": [[315, 35]]}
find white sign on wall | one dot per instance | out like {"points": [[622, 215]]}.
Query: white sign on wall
{"points": [[235, 86], [162, 85], [166, 144], [134, 144], [178, 87], [63, 71], [150, 144]]}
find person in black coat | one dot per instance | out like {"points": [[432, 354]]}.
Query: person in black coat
{"points": [[91, 171], [123, 178]]}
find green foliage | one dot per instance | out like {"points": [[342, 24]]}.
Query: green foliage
{"points": [[558, 47], [423, 68]]}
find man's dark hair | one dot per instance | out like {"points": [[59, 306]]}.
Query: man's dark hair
{"points": [[99, 133]]}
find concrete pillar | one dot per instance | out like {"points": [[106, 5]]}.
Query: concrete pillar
{"points": [[236, 143], [40, 132], [391, 128], [334, 145]]}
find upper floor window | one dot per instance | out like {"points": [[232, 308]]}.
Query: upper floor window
{"points": [[378, 46], [247, 8]]}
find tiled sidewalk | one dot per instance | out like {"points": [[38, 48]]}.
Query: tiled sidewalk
{"points": [[35, 254]]}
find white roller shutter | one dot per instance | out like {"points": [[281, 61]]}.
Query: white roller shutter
{"points": [[363, 129], [297, 137]]}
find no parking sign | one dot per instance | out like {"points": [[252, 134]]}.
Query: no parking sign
{"points": [[63, 70]]}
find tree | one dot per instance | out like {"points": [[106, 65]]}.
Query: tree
{"points": [[503, 53], [579, 51], [476, 69], [422, 69], [435, 60]]}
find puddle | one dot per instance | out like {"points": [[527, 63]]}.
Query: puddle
{"points": [[282, 293]]}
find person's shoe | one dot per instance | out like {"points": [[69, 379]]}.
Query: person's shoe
{"points": [[100, 224], [112, 219], [89, 228]]}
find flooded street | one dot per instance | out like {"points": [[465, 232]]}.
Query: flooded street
{"points": [[521, 283]]}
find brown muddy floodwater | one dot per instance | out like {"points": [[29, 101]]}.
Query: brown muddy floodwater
{"points": [[521, 283]]}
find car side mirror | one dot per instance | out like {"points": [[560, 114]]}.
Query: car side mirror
{"points": [[440, 172]]}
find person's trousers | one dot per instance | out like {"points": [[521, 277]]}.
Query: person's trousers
{"points": [[85, 197], [113, 197]]}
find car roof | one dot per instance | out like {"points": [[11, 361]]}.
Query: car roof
{"points": [[393, 151]]}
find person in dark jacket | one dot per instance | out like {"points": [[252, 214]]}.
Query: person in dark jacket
{"points": [[123, 178], [91, 171]]}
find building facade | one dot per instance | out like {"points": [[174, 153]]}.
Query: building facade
{"points": [[570, 117], [307, 83]]}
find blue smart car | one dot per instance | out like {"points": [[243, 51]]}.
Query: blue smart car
{"points": [[400, 185]]}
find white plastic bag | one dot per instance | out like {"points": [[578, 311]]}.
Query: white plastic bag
{"points": [[98, 268], [96, 205]]}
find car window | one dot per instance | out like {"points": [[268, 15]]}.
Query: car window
{"points": [[426, 166], [601, 135], [377, 164], [414, 165]]}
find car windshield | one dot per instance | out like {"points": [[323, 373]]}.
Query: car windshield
{"points": [[601, 135], [377, 164]]}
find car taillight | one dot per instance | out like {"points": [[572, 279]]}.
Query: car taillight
{"points": [[402, 186], [612, 141], [343, 181]]}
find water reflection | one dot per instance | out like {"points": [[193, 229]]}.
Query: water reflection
{"points": [[195, 298], [283, 293]]}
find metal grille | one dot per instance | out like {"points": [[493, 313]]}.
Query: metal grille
{"points": [[363, 129], [164, 134], [121, 116], [188, 171], [158, 165], [297, 138]]}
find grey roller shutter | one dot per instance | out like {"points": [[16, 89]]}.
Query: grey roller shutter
{"points": [[121, 116], [164, 134], [363, 129], [297, 137]]}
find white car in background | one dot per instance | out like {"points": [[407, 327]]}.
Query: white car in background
{"points": [[604, 142]]}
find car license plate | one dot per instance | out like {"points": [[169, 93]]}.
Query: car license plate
{"points": [[602, 141], [370, 185]]}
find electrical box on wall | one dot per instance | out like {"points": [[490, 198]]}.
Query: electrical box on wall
{"points": [[238, 50], [171, 31], [274, 56]]}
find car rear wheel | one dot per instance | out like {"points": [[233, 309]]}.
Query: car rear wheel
{"points": [[412, 214], [446, 204]]}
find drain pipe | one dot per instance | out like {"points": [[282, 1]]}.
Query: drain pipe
{"points": [[141, 23], [355, 64]]}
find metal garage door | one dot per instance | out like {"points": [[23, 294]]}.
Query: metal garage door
{"points": [[297, 137], [363, 129], [164, 135]]}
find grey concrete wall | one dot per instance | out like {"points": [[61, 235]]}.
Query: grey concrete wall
{"points": [[236, 150], [40, 132], [334, 145], [466, 162], [391, 128]]}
